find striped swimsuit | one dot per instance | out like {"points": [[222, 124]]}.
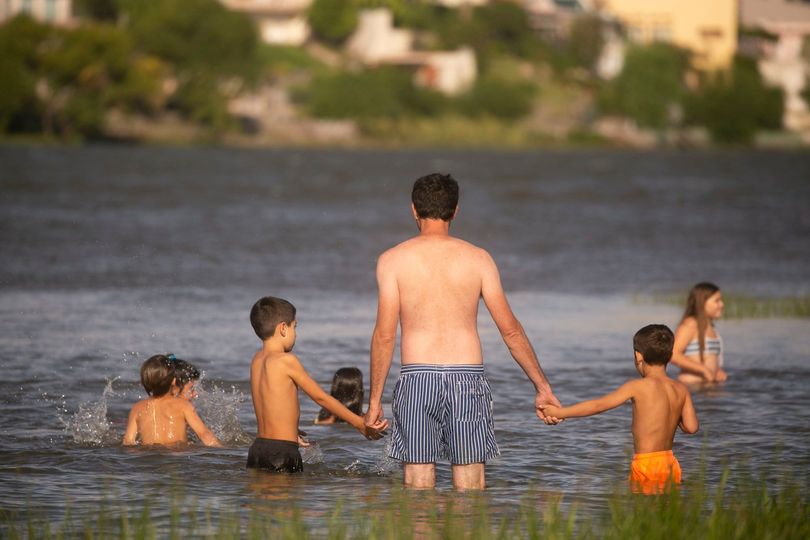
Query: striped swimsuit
{"points": [[713, 346], [443, 411]]}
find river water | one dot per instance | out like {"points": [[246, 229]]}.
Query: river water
{"points": [[112, 254]]}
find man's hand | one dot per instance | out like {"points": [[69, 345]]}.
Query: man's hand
{"points": [[541, 402], [374, 414]]}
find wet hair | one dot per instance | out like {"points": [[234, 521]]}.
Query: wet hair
{"points": [[347, 387], [185, 372], [696, 307], [267, 313], [435, 196], [157, 375], [654, 342]]}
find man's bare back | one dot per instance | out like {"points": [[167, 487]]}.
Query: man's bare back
{"points": [[439, 279]]}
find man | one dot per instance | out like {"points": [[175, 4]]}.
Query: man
{"points": [[431, 285]]}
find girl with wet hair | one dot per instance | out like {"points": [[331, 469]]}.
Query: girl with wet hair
{"points": [[698, 349], [347, 387]]}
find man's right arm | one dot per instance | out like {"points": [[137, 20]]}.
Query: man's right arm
{"points": [[515, 337], [384, 337]]}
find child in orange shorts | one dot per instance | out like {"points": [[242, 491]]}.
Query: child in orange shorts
{"points": [[660, 406]]}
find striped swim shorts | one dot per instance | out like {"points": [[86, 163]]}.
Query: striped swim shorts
{"points": [[443, 411]]}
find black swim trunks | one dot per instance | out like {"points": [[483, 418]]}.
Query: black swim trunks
{"points": [[275, 455]]}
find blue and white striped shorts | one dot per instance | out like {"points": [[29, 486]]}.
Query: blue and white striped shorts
{"points": [[443, 411]]}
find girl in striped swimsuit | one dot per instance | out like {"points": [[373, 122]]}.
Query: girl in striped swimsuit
{"points": [[698, 347]]}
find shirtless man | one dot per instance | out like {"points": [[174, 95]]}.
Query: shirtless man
{"points": [[431, 285]]}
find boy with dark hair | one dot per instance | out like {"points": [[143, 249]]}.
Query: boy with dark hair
{"points": [[660, 406], [162, 417], [276, 374], [435, 196]]}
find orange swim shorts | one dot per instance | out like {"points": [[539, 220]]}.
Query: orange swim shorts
{"points": [[651, 473]]}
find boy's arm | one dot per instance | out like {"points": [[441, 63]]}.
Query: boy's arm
{"points": [[193, 419], [689, 420], [384, 337], [311, 388], [131, 432], [515, 338], [595, 406]]}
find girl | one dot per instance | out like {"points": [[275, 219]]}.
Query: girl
{"points": [[162, 417], [698, 349], [347, 387]]}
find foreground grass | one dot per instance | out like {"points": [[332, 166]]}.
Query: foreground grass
{"points": [[748, 307], [749, 511]]}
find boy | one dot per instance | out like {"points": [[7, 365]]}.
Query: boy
{"points": [[275, 377], [162, 417], [660, 406]]}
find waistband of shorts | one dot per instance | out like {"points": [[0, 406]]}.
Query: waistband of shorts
{"points": [[277, 441], [473, 369], [654, 455]]}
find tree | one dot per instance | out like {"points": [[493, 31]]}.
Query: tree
{"points": [[650, 86], [333, 20], [586, 40], [734, 106]]}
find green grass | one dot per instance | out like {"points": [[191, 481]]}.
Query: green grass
{"points": [[750, 510], [747, 307]]}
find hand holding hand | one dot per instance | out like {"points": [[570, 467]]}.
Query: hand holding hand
{"points": [[541, 402], [374, 414], [375, 431]]}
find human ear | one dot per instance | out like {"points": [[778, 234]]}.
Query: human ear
{"points": [[455, 213], [413, 211], [282, 329]]}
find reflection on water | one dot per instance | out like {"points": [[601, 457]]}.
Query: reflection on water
{"points": [[111, 255]]}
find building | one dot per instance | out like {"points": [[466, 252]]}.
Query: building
{"points": [[707, 28], [781, 60], [58, 12], [280, 22], [376, 41]]}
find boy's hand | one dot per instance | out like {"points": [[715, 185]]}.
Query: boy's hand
{"points": [[302, 442], [552, 412], [375, 431]]}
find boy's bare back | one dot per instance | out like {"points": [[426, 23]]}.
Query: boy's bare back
{"points": [[275, 395], [659, 404]]}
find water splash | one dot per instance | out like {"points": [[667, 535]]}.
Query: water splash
{"points": [[312, 454], [385, 465], [219, 409], [89, 425]]}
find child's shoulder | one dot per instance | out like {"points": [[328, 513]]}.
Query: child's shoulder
{"points": [[275, 360], [688, 323]]}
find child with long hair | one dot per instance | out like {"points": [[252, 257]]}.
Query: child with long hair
{"points": [[698, 349], [347, 387]]}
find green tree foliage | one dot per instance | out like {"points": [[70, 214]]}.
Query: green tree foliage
{"points": [[64, 81], [101, 10], [333, 20], [650, 86], [502, 99], [196, 35], [586, 40], [734, 106], [19, 40], [379, 93]]}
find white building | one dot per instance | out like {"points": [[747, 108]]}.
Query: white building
{"points": [[781, 62], [376, 41], [280, 22], [59, 12]]}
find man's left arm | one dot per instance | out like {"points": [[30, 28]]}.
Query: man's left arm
{"points": [[384, 337], [515, 337]]}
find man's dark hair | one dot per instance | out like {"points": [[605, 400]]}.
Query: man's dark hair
{"points": [[267, 313], [185, 372], [435, 196], [157, 374], [654, 342]]}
